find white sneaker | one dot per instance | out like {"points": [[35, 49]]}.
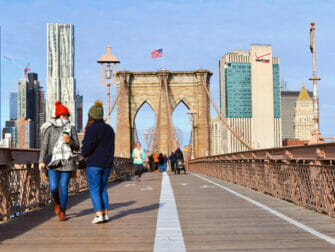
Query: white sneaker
{"points": [[98, 219], [106, 218]]}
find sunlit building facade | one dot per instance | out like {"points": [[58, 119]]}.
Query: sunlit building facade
{"points": [[250, 98], [61, 84], [303, 120]]}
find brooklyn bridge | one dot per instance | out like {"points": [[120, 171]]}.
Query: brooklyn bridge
{"points": [[253, 199]]}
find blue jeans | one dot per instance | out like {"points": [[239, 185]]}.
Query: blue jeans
{"points": [[59, 181], [97, 181]]}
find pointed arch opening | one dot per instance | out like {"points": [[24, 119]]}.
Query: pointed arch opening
{"points": [[143, 125], [181, 124]]}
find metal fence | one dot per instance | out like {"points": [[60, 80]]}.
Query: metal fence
{"points": [[304, 175], [23, 188]]}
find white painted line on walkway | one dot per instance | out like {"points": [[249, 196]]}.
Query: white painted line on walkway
{"points": [[128, 185], [169, 236], [274, 212], [206, 186], [148, 188]]}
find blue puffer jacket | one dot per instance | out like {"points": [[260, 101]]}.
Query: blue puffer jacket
{"points": [[98, 145]]}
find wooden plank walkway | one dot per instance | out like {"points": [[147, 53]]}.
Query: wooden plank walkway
{"points": [[211, 219]]}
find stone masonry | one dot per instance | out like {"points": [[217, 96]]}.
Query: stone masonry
{"points": [[138, 88]]}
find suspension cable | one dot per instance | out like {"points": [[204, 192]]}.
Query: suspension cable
{"points": [[235, 134], [115, 102]]}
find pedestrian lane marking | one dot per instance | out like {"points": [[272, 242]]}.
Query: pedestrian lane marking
{"points": [[148, 188], [272, 211], [128, 185], [169, 236], [184, 184], [206, 186]]}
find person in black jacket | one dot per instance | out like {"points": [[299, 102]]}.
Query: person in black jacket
{"points": [[98, 148], [178, 154]]}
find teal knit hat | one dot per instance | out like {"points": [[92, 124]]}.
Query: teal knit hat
{"points": [[97, 111]]}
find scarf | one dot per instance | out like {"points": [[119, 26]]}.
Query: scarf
{"points": [[62, 152]]}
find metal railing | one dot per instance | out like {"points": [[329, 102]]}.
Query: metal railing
{"points": [[304, 175], [23, 188]]}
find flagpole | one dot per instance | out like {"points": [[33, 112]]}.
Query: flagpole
{"points": [[163, 61]]}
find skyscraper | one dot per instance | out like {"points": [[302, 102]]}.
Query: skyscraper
{"points": [[13, 105], [61, 84], [216, 136], [250, 98], [303, 119], [79, 114], [288, 103], [22, 98], [34, 106], [28, 110]]}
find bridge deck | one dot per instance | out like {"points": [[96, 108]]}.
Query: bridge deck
{"points": [[211, 219]]}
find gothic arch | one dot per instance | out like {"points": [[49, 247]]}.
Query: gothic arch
{"points": [[163, 91], [138, 108], [183, 100]]}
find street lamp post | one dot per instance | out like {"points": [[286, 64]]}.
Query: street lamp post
{"points": [[108, 59], [146, 138], [190, 114]]}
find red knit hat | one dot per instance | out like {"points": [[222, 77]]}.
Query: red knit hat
{"points": [[61, 109]]}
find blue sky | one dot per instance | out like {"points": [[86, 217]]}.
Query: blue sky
{"points": [[194, 34]]}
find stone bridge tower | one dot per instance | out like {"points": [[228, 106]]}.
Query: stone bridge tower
{"points": [[163, 91]]}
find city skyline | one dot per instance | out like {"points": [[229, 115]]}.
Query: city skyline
{"points": [[194, 34]]}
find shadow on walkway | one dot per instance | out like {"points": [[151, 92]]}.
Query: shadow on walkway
{"points": [[22, 224], [90, 211], [135, 211]]}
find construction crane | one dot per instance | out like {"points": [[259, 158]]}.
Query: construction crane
{"points": [[26, 69]]}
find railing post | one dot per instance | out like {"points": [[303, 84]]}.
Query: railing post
{"points": [[4, 178]]}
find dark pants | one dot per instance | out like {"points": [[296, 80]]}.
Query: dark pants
{"points": [[156, 165], [138, 169], [59, 181], [97, 180], [172, 165]]}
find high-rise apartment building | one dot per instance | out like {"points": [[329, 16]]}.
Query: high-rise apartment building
{"points": [[22, 98], [11, 128], [34, 106], [303, 119], [79, 114], [25, 133], [42, 116], [28, 109], [216, 135], [250, 98], [13, 105], [61, 84]]}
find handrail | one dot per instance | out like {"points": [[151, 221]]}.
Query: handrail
{"points": [[303, 175], [322, 151], [23, 188]]}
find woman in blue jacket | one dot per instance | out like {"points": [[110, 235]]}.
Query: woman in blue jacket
{"points": [[98, 148]]}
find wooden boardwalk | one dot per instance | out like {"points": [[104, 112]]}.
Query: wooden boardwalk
{"points": [[211, 219]]}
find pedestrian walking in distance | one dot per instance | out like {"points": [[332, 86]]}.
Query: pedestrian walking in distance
{"points": [[59, 140], [138, 156], [98, 148], [161, 162]]}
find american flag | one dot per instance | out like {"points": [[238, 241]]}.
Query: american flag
{"points": [[157, 53]]}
